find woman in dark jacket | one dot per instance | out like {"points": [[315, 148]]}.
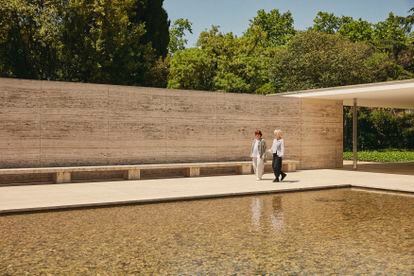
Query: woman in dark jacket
{"points": [[278, 150]]}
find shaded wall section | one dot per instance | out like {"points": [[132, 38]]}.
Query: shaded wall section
{"points": [[44, 123], [322, 134]]}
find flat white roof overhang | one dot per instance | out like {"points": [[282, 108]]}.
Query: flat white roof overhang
{"points": [[393, 94]]}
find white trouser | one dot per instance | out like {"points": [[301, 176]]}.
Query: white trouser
{"points": [[258, 167]]}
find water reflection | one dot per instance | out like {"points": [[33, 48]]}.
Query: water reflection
{"points": [[276, 217], [326, 232], [256, 209]]}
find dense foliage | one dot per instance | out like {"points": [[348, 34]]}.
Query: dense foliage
{"points": [[119, 41], [389, 155], [177, 35], [271, 56], [380, 129], [314, 60]]}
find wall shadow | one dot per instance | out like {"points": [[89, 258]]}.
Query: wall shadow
{"points": [[406, 168]]}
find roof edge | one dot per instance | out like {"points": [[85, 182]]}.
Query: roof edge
{"points": [[338, 88]]}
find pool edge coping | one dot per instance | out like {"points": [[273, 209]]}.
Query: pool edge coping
{"points": [[109, 204]]}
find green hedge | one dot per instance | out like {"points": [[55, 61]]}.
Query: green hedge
{"points": [[382, 156]]}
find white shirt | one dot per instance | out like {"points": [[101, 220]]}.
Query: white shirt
{"points": [[278, 147], [256, 149]]}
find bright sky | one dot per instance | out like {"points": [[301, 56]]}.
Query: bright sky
{"points": [[234, 15]]}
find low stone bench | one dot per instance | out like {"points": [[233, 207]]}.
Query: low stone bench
{"points": [[133, 172]]}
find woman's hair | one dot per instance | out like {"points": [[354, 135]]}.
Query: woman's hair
{"points": [[278, 133], [258, 132]]}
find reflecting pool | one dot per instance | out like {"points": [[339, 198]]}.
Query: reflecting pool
{"points": [[332, 231]]}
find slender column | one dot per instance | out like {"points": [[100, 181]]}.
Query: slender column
{"points": [[355, 134]]}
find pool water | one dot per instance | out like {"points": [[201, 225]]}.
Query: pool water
{"points": [[332, 231]]}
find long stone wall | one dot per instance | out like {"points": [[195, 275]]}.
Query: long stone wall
{"points": [[44, 123]]}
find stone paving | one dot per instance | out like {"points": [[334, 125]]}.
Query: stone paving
{"points": [[58, 196], [390, 168]]}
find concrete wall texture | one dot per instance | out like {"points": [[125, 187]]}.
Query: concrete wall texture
{"points": [[45, 123]]}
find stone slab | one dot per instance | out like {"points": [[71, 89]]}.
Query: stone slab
{"points": [[62, 196]]}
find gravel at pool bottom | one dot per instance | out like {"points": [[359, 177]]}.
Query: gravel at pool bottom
{"points": [[332, 231]]}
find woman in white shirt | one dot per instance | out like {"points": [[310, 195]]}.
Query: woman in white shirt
{"points": [[278, 150], [258, 154]]}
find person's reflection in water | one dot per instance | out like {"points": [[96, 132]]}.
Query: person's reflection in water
{"points": [[276, 216], [256, 208]]}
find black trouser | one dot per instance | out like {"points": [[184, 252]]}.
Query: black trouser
{"points": [[277, 165]]}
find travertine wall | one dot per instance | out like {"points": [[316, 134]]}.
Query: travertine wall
{"points": [[45, 123], [322, 134]]}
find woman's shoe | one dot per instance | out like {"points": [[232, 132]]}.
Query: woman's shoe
{"points": [[276, 180], [283, 176]]}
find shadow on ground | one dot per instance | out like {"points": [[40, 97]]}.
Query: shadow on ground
{"points": [[285, 180], [389, 168]]}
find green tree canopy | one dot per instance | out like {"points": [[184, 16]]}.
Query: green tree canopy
{"points": [[314, 60], [277, 27], [30, 38], [391, 35], [329, 23], [236, 64], [155, 19], [100, 43], [177, 35], [357, 30], [83, 40], [191, 69]]}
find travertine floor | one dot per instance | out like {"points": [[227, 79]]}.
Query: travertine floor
{"points": [[39, 197], [391, 168]]}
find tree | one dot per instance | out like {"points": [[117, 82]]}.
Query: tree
{"points": [[80, 40], [329, 23], [381, 128], [101, 44], [30, 38], [177, 34], [157, 76], [406, 124], [326, 22], [357, 30], [191, 69], [83, 40], [277, 27], [243, 68], [391, 35], [228, 62], [155, 19], [406, 58], [315, 60], [410, 18]]}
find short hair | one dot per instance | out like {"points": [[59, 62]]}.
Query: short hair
{"points": [[278, 133], [258, 132]]}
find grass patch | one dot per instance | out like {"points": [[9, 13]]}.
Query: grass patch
{"points": [[383, 156]]}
